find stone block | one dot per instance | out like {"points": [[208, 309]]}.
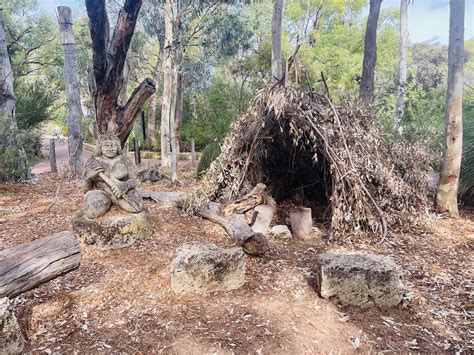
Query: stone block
{"points": [[357, 279], [115, 229], [11, 338], [281, 231], [204, 268]]}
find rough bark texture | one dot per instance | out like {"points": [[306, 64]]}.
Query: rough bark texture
{"points": [[8, 125], [446, 198], [277, 69], [106, 79], [370, 53], [73, 94], [52, 156], [151, 120], [402, 68], [11, 338], [28, 265], [167, 87]]}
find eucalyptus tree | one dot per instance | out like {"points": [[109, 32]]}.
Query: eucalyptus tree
{"points": [[370, 53], [402, 68], [446, 197], [9, 149], [106, 79]]}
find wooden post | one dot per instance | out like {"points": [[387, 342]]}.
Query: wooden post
{"points": [[52, 156], [136, 148], [301, 221], [73, 94], [193, 153]]}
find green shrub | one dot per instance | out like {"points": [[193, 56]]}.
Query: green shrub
{"points": [[209, 154]]}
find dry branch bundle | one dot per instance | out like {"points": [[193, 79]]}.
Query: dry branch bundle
{"points": [[370, 185]]}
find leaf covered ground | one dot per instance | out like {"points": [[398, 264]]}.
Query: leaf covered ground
{"points": [[120, 300]]}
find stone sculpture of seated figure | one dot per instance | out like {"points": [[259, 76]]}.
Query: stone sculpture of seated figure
{"points": [[109, 177]]}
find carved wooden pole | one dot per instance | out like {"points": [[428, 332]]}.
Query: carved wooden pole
{"points": [[73, 94], [52, 156]]}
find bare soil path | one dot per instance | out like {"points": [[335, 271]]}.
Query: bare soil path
{"points": [[120, 300]]}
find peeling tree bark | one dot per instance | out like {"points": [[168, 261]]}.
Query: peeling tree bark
{"points": [[106, 79], [370, 53], [73, 94], [8, 125], [151, 120], [402, 68], [167, 87], [446, 198], [277, 68]]}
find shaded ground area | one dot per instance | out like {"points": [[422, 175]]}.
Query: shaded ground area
{"points": [[120, 300]]}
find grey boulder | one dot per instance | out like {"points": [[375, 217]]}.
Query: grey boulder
{"points": [[204, 268], [357, 279], [11, 338]]}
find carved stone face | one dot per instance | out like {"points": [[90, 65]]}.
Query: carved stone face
{"points": [[109, 148]]}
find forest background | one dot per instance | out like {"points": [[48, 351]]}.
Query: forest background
{"points": [[227, 59]]}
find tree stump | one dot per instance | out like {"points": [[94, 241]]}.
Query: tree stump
{"points": [[28, 265], [261, 219], [301, 221]]}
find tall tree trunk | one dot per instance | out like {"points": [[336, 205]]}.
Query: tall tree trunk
{"points": [[106, 78], [370, 53], [8, 126], [151, 120], [167, 87], [176, 112], [277, 68], [446, 198], [402, 69], [126, 75], [73, 94]]}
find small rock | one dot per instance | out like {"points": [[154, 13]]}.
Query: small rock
{"points": [[359, 279], [281, 231], [116, 229], [11, 338], [149, 174], [204, 268]]}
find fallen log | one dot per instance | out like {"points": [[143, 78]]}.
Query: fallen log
{"points": [[237, 228], [249, 201], [28, 265], [235, 225]]}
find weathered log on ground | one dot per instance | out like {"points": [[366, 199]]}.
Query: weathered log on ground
{"points": [[249, 201], [235, 225], [28, 265], [237, 228]]}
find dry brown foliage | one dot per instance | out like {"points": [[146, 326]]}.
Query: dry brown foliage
{"points": [[301, 142]]}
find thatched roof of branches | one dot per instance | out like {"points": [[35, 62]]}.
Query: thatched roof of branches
{"points": [[302, 143]]}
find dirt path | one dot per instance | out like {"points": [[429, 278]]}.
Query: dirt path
{"points": [[121, 301], [62, 156]]}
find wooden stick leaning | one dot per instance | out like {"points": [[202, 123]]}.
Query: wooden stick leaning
{"points": [[110, 183]]}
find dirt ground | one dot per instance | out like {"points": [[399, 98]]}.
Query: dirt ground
{"points": [[120, 300]]}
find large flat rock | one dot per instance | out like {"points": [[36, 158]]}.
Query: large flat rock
{"points": [[357, 279], [116, 229], [203, 268], [11, 338]]}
